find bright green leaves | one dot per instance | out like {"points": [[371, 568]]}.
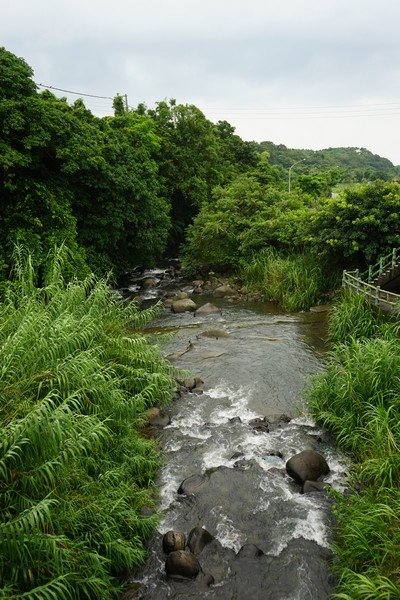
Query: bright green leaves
{"points": [[75, 380]]}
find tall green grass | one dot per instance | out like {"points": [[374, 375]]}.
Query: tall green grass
{"points": [[296, 282], [358, 399], [75, 380]]}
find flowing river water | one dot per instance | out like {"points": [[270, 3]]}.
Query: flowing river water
{"points": [[255, 361]]}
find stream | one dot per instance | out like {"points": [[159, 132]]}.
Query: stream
{"points": [[255, 361]]}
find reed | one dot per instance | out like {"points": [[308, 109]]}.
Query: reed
{"points": [[76, 377], [358, 399], [296, 282]]}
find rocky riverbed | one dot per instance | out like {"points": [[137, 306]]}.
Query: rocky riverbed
{"points": [[228, 439]]}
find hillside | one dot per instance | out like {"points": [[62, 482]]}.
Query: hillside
{"points": [[357, 164]]}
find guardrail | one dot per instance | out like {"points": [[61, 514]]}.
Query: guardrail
{"points": [[384, 263], [377, 296]]}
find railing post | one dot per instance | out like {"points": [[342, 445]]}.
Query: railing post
{"points": [[394, 257], [344, 278], [377, 292], [369, 273], [380, 266]]}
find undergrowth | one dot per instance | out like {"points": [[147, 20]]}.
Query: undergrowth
{"points": [[296, 282], [76, 378], [358, 399]]}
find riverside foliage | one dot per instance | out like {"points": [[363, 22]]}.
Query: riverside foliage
{"points": [[76, 378], [358, 399]]}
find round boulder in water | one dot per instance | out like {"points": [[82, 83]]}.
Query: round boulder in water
{"points": [[182, 563], [198, 539], [173, 540], [307, 465], [207, 309], [185, 305]]}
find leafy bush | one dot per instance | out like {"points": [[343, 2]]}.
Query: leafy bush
{"points": [[75, 380]]}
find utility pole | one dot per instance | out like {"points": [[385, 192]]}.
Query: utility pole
{"points": [[126, 102], [291, 167]]}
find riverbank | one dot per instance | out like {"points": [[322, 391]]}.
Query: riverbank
{"points": [[357, 399], [77, 498]]}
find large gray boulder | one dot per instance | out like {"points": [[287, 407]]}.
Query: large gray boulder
{"points": [[207, 309], [180, 306], [307, 465], [182, 563]]}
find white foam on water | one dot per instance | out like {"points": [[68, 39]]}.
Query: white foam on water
{"points": [[172, 446], [227, 535], [190, 424], [216, 456], [310, 528], [170, 482]]}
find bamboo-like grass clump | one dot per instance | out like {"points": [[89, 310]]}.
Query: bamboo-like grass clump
{"points": [[358, 399], [75, 380]]}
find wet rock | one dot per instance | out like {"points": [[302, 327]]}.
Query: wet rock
{"points": [[223, 291], [191, 484], [311, 487], [157, 417], [260, 425], [235, 420], [237, 454], [277, 453], [241, 464], [207, 309], [249, 551], [173, 540], [191, 383], [215, 333], [307, 465], [180, 296], [198, 538], [182, 563], [205, 579], [168, 302], [279, 418], [184, 305], [150, 282], [198, 283]]}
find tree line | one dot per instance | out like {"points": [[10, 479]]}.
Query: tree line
{"points": [[118, 190]]}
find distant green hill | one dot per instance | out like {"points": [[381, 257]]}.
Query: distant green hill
{"points": [[355, 164]]}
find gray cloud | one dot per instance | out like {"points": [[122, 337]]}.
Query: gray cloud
{"points": [[226, 55]]}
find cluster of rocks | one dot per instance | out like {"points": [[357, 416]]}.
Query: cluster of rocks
{"points": [[182, 554], [182, 301], [184, 559]]}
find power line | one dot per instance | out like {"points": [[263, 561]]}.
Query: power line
{"points": [[51, 87]]}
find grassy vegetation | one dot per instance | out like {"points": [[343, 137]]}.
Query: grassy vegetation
{"points": [[75, 381], [358, 399], [296, 282]]}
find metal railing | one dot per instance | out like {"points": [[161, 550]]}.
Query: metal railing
{"points": [[384, 264], [377, 296]]}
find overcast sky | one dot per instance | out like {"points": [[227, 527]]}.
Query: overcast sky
{"points": [[305, 73]]}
